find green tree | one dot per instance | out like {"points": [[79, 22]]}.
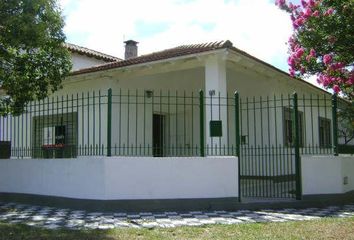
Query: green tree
{"points": [[33, 59], [346, 122]]}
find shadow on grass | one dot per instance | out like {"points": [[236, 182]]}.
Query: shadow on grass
{"points": [[21, 231]]}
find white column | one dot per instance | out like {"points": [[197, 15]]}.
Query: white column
{"points": [[215, 84]]}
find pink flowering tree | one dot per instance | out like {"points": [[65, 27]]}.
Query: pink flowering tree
{"points": [[322, 43]]}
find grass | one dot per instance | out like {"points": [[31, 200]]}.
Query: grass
{"points": [[326, 228]]}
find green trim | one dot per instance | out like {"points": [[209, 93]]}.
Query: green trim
{"points": [[335, 124], [276, 179], [297, 148], [201, 123], [109, 123]]}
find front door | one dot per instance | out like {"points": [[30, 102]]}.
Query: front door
{"points": [[158, 133]]}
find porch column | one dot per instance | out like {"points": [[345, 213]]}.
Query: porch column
{"points": [[215, 109]]}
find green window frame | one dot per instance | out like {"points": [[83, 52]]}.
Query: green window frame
{"points": [[288, 133], [324, 128], [55, 136]]}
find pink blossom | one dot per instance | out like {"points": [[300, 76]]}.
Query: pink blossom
{"points": [[312, 52], [307, 13], [350, 81], [336, 88], [303, 3], [329, 11], [340, 65], [292, 72], [336, 66], [299, 22], [293, 7], [316, 13], [327, 59], [302, 70], [320, 79], [299, 52], [308, 58], [291, 61], [312, 3], [325, 81], [292, 18], [280, 3], [340, 80]]}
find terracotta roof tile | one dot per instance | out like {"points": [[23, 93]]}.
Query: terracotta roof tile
{"points": [[91, 53], [183, 50], [165, 54]]}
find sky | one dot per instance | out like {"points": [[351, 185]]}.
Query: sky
{"points": [[255, 26]]}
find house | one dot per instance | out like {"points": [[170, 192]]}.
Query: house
{"points": [[169, 125]]}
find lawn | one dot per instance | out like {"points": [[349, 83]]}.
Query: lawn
{"points": [[327, 228]]}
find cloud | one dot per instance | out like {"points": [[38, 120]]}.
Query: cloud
{"points": [[255, 26]]}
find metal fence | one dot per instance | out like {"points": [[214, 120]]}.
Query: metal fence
{"points": [[168, 123]]}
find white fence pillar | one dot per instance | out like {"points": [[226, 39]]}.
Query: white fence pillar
{"points": [[215, 108]]}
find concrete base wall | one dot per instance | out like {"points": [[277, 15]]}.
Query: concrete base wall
{"points": [[122, 178], [327, 174]]}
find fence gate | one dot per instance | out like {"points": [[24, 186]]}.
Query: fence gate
{"points": [[269, 139]]}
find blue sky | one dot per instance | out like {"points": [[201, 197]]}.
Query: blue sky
{"points": [[255, 26]]}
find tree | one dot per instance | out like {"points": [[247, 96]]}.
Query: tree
{"points": [[322, 43], [33, 59], [346, 122]]}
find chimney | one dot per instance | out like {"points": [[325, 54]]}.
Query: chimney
{"points": [[131, 49]]}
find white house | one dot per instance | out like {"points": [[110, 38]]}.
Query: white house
{"points": [[168, 125]]}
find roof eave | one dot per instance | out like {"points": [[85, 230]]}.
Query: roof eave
{"points": [[171, 59], [244, 54]]}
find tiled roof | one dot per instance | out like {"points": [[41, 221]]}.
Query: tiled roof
{"points": [[183, 50], [161, 55], [91, 53]]}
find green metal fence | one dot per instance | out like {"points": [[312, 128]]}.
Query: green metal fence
{"points": [[165, 123], [60, 126], [155, 123], [271, 130]]}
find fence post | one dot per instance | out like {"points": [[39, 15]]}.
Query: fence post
{"points": [[201, 123], [237, 123], [297, 148], [335, 124], [238, 143], [109, 123]]}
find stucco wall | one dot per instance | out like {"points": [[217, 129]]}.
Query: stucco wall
{"points": [[82, 61], [117, 178], [252, 85], [325, 174]]}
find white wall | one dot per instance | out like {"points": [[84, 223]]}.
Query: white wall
{"points": [[252, 85], [82, 61], [324, 174], [348, 171], [117, 178]]}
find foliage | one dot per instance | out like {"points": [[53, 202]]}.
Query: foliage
{"points": [[33, 59], [346, 122], [322, 43]]}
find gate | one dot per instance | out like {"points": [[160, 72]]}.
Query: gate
{"points": [[268, 139]]}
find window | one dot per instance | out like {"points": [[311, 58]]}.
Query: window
{"points": [[288, 127], [55, 136], [243, 139], [324, 132]]}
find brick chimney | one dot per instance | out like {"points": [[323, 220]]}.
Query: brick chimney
{"points": [[131, 49]]}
